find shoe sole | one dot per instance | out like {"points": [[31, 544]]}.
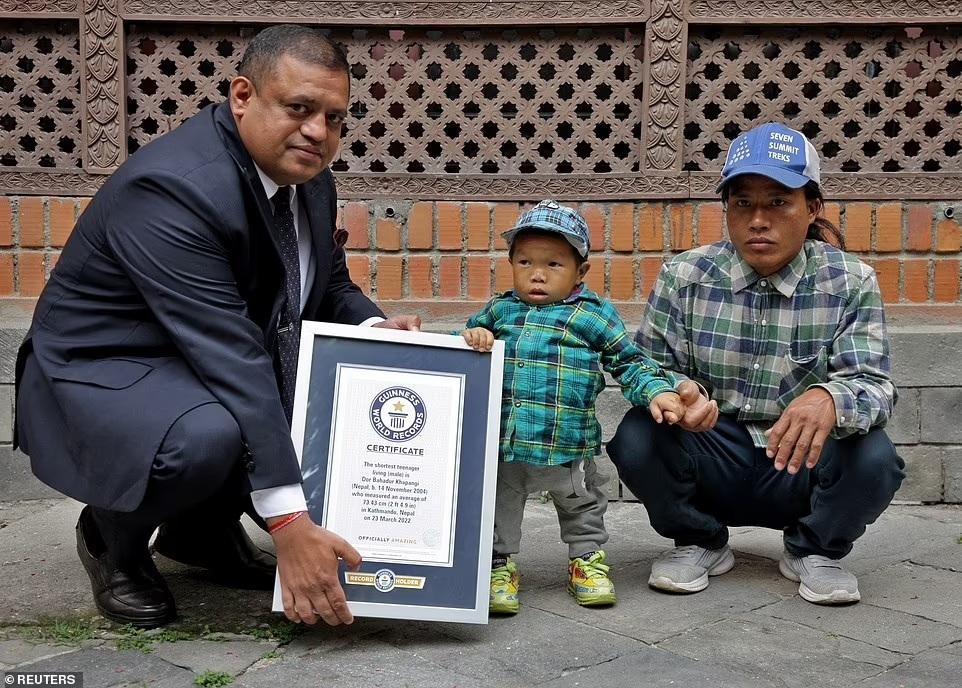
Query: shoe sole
{"points": [[138, 621], [697, 585], [599, 601], [506, 611], [809, 595]]}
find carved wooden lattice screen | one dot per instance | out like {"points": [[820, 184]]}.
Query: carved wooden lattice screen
{"points": [[878, 100], [600, 99], [458, 101], [40, 95]]}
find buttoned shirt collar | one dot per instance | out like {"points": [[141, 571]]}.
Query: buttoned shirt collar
{"points": [[785, 280], [579, 292]]}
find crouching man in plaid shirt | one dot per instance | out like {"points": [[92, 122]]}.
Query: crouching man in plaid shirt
{"points": [[787, 333], [556, 331]]}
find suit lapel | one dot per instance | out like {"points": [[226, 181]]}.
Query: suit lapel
{"points": [[318, 212], [228, 130], [253, 189]]}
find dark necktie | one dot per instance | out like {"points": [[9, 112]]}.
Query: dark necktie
{"points": [[289, 329]]}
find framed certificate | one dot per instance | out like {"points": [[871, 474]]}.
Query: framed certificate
{"points": [[397, 435]]}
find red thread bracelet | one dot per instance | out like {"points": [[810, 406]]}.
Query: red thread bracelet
{"points": [[286, 521]]}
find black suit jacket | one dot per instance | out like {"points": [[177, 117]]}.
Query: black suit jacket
{"points": [[167, 296]]}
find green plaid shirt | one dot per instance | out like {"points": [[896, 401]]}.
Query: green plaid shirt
{"points": [[760, 342], [552, 377]]}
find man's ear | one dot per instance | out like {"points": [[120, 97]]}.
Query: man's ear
{"points": [[583, 270], [814, 209], [241, 92]]}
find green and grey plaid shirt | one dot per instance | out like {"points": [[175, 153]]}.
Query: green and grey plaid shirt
{"points": [[551, 373], [760, 342]]}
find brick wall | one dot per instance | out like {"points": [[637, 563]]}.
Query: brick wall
{"points": [[451, 253], [445, 257]]}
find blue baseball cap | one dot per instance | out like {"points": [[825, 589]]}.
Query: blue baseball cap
{"points": [[550, 216], [774, 151]]}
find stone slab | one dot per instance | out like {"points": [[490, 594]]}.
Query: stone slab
{"points": [[755, 643], [952, 473], [925, 591], [654, 668], [941, 410], [18, 481], [935, 669], [6, 414], [17, 651], [884, 628], [610, 407], [526, 649], [926, 356], [923, 473], [938, 513], [368, 664], [103, 668], [948, 556], [904, 427], [230, 656], [901, 533], [43, 579], [11, 512], [10, 338]]}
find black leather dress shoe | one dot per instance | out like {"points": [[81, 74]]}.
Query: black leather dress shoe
{"points": [[228, 553], [135, 595]]}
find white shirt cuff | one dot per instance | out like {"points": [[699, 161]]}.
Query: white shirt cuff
{"points": [[370, 321], [277, 501]]}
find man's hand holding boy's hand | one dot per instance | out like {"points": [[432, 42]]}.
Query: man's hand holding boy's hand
{"points": [[667, 407], [700, 413], [479, 338]]}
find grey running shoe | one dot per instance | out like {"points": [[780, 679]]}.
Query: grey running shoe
{"points": [[820, 580], [686, 569]]}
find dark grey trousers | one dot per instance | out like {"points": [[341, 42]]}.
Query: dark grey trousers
{"points": [[694, 485], [575, 489]]}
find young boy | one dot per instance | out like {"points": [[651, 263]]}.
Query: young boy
{"points": [[556, 331]]}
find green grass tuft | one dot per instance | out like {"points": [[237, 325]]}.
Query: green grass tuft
{"points": [[213, 679], [133, 638], [62, 631], [170, 635], [281, 631]]}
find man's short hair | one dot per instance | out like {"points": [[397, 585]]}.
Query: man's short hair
{"points": [[300, 42]]}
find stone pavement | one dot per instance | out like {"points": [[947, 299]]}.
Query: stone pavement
{"points": [[749, 628]]}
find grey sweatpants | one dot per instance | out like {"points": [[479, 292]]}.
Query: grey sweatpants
{"points": [[576, 491]]}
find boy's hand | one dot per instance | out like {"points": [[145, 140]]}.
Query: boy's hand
{"points": [[479, 338], [667, 407]]}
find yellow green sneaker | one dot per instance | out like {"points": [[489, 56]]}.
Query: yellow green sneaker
{"points": [[505, 581], [588, 580]]}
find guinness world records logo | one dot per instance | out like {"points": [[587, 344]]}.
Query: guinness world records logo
{"points": [[384, 580], [397, 414]]}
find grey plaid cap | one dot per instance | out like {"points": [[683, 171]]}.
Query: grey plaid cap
{"points": [[550, 216]]}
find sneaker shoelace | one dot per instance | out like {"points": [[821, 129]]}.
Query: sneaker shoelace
{"points": [[501, 575], [820, 562], [593, 566], [684, 553]]}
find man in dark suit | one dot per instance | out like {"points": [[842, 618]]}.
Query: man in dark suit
{"points": [[155, 384]]}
